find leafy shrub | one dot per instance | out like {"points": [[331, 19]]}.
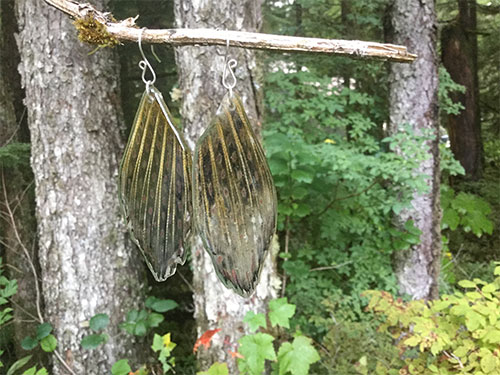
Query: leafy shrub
{"points": [[456, 334], [339, 184]]}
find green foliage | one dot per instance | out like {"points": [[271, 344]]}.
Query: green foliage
{"points": [[7, 289], [216, 369], [138, 323], [121, 367], [355, 347], [34, 371], [160, 305], [164, 346], [492, 151], [15, 155], [339, 183], [292, 358], [97, 323], [43, 337], [256, 349], [446, 87], [296, 357], [467, 211], [48, 343], [18, 365], [457, 333], [93, 341], [280, 312]]}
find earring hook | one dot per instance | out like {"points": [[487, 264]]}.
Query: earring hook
{"points": [[229, 66], [145, 65]]}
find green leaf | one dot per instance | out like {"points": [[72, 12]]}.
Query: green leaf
{"points": [[140, 328], [450, 218], [216, 369], [29, 343], [155, 319], [160, 305], [98, 322], [489, 363], [93, 341], [280, 312], [18, 365], [467, 284], [489, 288], [255, 321], [43, 330], [256, 349], [496, 272], [157, 343], [121, 367], [48, 343], [301, 176], [297, 357], [30, 371]]}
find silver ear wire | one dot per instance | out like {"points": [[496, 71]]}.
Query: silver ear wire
{"points": [[229, 66], [145, 65]]}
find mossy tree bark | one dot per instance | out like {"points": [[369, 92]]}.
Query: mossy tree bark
{"points": [[413, 100], [88, 266], [200, 71]]}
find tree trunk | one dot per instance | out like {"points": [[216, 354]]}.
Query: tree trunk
{"points": [[17, 203], [200, 70], [74, 113], [413, 98], [459, 54]]}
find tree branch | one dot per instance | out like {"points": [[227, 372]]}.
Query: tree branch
{"points": [[127, 30]]}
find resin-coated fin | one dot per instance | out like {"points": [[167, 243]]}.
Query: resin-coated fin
{"points": [[155, 186], [234, 199]]}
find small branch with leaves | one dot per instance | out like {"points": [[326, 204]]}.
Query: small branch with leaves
{"points": [[103, 29]]}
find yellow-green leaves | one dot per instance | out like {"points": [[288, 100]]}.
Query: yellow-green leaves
{"points": [[458, 331]]}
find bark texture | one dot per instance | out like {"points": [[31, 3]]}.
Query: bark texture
{"points": [[459, 55], [17, 203], [413, 98], [200, 71], [88, 266]]}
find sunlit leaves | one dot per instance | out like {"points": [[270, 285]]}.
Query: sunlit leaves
{"points": [[256, 349], [280, 312], [121, 367], [296, 357], [463, 324]]}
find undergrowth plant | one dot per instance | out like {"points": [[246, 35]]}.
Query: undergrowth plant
{"points": [[458, 333], [339, 182]]}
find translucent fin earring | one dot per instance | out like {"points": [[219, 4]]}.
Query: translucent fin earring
{"points": [[234, 199], [155, 182]]}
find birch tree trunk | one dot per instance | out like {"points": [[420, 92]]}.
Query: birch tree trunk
{"points": [[74, 117], [413, 100], [200, 71]]}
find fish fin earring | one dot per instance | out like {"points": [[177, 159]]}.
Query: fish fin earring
{"points": [[155, 182], [234, 198]]}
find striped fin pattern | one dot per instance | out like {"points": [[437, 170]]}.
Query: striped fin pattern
{"points": [[234, 199], [155, 186]]}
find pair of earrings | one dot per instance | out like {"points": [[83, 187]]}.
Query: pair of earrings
{"points": [[225, 191]]}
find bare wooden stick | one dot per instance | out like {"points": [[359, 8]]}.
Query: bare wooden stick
{"points": [[126, 30]]}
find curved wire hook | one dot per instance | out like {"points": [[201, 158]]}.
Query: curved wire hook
{"points": [[145, 65], [229, 66]]}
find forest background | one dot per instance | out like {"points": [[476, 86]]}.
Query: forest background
{"points": [[349, 169]]}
